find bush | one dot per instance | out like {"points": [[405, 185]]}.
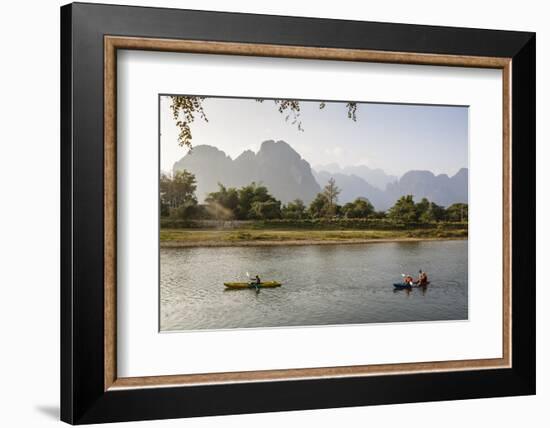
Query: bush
{"points": [[354, 223]]}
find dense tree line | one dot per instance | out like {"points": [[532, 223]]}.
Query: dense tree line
{"points": [[254, 202]]}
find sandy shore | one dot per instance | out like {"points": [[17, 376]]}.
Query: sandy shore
{"points": [[268, 243]]}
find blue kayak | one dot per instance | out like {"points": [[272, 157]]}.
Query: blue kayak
{"points": [[401, 285]]}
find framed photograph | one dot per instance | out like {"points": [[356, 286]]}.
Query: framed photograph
{"points": [[266, 213]]}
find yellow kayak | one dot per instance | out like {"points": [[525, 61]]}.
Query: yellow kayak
{"points": [[264, 284]]}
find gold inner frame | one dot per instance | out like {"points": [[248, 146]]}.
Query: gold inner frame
{"points": [[113, 43]]}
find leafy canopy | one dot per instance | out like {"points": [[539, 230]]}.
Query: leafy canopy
{"points": [[186, 107]]}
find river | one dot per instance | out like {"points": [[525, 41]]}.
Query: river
{"points": [[322, 285]]}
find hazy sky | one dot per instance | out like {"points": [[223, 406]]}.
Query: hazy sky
{"points": [[394, 137]]}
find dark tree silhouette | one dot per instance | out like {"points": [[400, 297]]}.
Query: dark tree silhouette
{"points": [[186, 107]]}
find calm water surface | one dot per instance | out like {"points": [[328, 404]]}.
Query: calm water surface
{"points": [[322, 284]]}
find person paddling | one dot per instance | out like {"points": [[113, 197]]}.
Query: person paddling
{"points": [[257, 283], [408, 280], [422, 278]]}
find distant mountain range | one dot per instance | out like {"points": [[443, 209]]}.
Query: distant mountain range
{"points": [[375, 177], [287, 176], [441, 189]]}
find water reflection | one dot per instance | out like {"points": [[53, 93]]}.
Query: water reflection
{"points": [[333, 284], [421, 288]]}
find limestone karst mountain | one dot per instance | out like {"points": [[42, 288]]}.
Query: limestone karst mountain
{"points": [[276, 165], [441, 189], [288, 176]]}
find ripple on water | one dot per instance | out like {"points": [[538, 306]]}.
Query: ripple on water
{"points": [[333, 284]]}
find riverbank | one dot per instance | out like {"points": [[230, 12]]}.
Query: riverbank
{"points": [[181, 238]]}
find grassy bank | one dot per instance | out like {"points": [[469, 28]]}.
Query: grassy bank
{"points": [[310, 224], [252, 236]]}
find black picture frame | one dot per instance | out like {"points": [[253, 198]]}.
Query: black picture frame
{"points": [[83, 398]]}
